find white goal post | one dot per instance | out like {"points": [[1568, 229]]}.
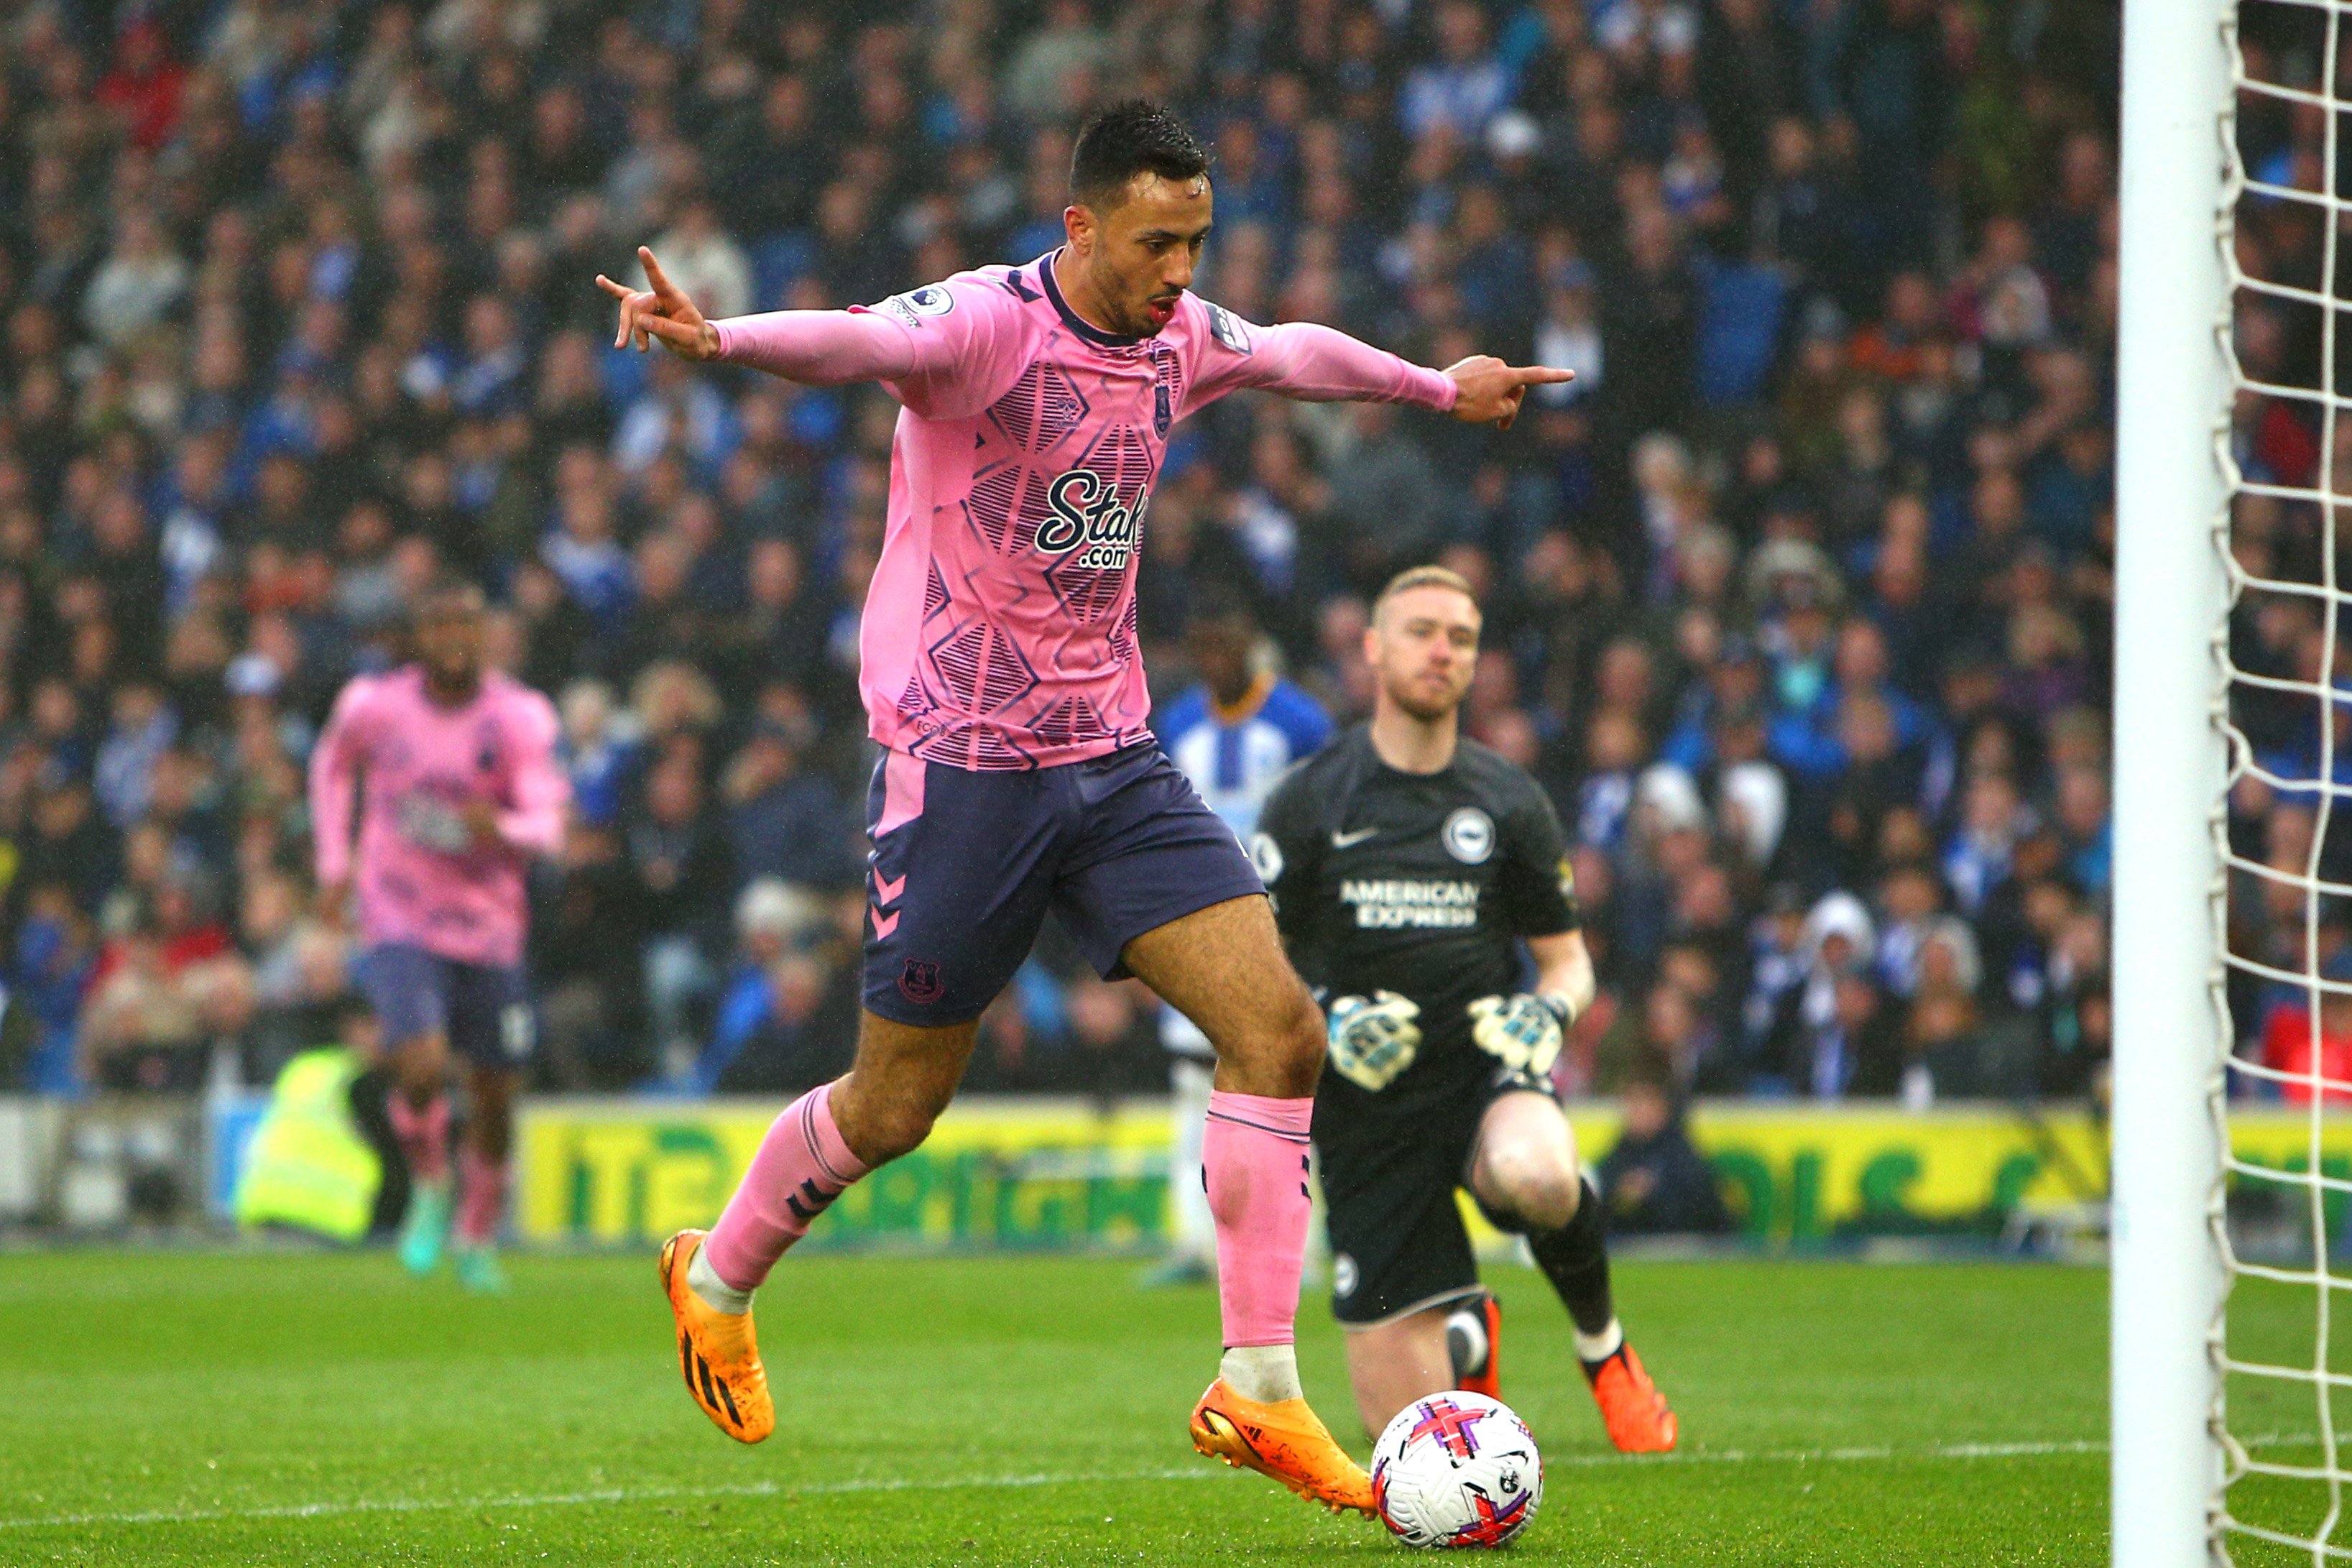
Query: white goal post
{"points": [[2172, 405], [2232, 1136]]}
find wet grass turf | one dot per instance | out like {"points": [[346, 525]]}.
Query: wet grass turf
{"points": [[276, 1408]]}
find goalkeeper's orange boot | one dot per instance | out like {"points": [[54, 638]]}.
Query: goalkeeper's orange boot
{"points": [[1474, 1342], [717, 1351], [1631, 1406], [1283, 1439]]}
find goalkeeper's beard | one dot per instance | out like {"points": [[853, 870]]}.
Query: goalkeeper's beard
{"points": [[1422, 709]]}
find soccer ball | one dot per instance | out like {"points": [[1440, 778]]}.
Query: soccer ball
{"points": [[1456, 1469]]}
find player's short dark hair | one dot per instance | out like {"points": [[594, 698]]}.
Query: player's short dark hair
{"points": [[1130, 138], [448, 598], [1414, 577]]}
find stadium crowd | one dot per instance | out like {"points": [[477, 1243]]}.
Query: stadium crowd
{"points": [[1797, 599]]}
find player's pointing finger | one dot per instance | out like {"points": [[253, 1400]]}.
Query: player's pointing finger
{"points": [[654, 275], [1539, 374]]}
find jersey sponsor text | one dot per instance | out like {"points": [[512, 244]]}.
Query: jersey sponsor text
{"points": [[1392, 902], [1086, 510]]}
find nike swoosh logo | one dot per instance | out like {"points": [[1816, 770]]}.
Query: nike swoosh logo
{"points": [[1342, 840]]}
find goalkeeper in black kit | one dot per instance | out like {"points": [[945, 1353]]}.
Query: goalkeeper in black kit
{"points": [[1409, 867]]}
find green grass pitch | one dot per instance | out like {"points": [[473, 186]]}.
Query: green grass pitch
{"points": [[303, 1408]]}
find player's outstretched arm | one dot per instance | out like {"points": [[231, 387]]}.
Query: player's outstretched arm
{"points": [[816, 348], [1320, 365]]}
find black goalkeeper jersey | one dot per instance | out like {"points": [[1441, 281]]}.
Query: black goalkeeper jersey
{"points": [[1416, 883]]}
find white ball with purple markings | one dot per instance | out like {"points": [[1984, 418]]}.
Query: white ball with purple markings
{"points": [[1456, 1469]]}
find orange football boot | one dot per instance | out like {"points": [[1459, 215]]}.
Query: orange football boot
{"points": [[1283, 1439], [718, 1352], [1488, 1379], [1631, 1406]]}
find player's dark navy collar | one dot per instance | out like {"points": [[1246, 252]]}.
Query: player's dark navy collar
{"points": [[1070, 318]]}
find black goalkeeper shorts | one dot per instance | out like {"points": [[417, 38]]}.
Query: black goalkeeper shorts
{"points": [[1390, 1176]]}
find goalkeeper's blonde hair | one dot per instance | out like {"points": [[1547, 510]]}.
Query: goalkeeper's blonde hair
{"points": [[1414, 577]]}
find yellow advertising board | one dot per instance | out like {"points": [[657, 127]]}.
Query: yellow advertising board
{"points": [[1027, 1174], [1034, 1174]]}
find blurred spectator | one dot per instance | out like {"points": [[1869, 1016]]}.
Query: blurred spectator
{"points": [[586, 922], [1831, 1035], [596, 755], [301, 974], [784, 822], [163, 990], [681, 875], [1655, 1182], [140, 281], [785, 1017], [1455, 94], [53, 958], [2289, 1048]]}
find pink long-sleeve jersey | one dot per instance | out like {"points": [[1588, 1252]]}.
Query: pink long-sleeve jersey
{"points": [[421, 881], [1000, 628]]}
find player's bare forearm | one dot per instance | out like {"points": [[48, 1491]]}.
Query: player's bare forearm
{"points": [[1490, 391], [1564, 968]]}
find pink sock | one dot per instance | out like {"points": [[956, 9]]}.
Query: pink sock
{"points": [[424, 1134], [802, 1166], [481, 1197], [1254, 1154]]}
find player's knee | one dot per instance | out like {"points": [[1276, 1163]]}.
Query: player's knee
{"points": [[1279, 1051], [1533, 1187], [1303, 1040], [491, 1093], [421, 1064], [878, 1133], [897, 1133]]}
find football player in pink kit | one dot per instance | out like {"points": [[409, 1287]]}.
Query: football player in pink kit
{"points": [[1000, 673], [461, 789]]}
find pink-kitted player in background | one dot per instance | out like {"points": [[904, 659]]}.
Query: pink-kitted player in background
{"points": [[454, 772]]}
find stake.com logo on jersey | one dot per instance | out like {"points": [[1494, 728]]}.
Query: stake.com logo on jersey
{"points": [[1086, 511]]}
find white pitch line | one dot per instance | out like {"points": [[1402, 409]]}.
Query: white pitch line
{"points": [[1841, 1456], [601, 1494], [1953, 1451]]}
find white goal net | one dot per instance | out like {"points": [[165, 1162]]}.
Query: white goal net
{"points": [[2284, 910]]}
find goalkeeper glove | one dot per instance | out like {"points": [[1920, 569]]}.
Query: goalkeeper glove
{"points": [[1522, 1032], [1374, 1038]]}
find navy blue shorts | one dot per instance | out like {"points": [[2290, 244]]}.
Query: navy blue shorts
{"points": [[965, 865], [484, 1011]]}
